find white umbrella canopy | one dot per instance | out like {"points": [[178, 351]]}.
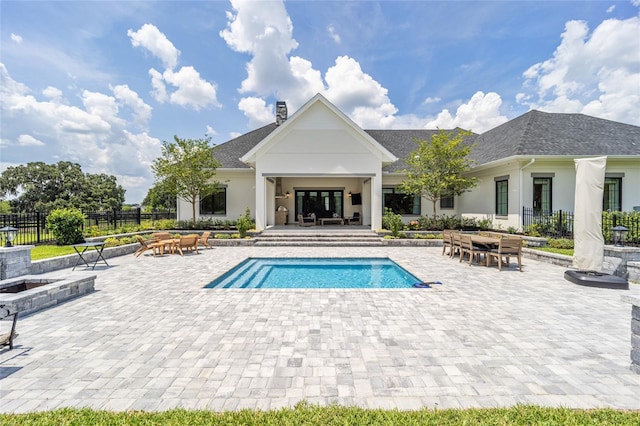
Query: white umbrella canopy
{"points": [[588, 253]]}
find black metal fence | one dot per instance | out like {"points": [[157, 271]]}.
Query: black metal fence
{"points": [[32, 227], [559, 224]]}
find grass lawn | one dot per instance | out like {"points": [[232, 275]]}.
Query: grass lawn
{"points": [[305, 414], [48, 251], [567, 252]]}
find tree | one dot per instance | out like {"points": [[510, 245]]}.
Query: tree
{"points": [[436, 169], [45, 187], [161, 195], [101, 192], [188, 166]]}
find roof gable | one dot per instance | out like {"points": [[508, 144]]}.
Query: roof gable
{"points": [[318, 116]]}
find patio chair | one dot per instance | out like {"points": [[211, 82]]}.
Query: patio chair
{"points": [[6, 339], [307, 220], [455, 244], [203, 240], [159, 236], [148, 245], [188, 243], [446, 241], [355, 219], [467, 247], [510, 246]]}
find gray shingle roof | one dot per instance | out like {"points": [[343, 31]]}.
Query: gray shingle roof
{"points": [[542, 133], [401, 143], [531, 134], [229, 153]]}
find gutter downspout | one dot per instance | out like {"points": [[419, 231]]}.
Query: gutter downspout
{"points": [[533, 160]]}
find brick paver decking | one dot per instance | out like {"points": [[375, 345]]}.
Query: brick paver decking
{"points": [[152, 338]]}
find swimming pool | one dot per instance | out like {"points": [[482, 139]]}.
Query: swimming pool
{"points": [[316, 273]]}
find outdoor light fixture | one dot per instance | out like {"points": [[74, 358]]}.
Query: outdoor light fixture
{"points": [[9, 233], [287, 194], [619, 235], [349, 194]]}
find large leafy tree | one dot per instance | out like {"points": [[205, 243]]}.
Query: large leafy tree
{"points": [[188, 167], [161, 195], [45, 187], [437, 168]]}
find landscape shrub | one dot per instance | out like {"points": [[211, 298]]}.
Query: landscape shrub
{"points": [[66, 226], [560, 243], [392, 222], [244, 223]]}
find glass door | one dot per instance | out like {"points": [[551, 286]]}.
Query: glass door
{"points": [[324, 203]]}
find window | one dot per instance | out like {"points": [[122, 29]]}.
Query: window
{"points": [[399, 202], [612, 194], [446, 202], [215, 203], [502, 197], [542, 194]]}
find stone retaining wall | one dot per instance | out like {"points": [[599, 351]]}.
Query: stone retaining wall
{"points": [[633, 268], [635, 331], [62, 262], [53, 292], [15, 261]]}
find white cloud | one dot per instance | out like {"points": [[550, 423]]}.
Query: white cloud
{"points": [[159, 92], [264, 30], [596, 74], [480, 114], [52, 93], [257, 111], [128, 97], [101, 105], [95, 134], [431, 100], [28, 140], [150, 38], [210, 131], [16, 38], [191, 90], [333, 34], [358, 95], [611, 8]]}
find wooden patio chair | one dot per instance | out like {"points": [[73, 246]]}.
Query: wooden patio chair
{"points": [[148, 245], [510, 246], [203, 240], [307, 220], [446, 241], [467, 247], [455, 244], [159, 236], [188, 243], [6, 339]]}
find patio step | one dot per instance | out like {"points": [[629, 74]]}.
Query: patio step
{"points": [[319, 238]]}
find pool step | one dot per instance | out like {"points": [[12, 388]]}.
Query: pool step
{"points": [[324, 239]]}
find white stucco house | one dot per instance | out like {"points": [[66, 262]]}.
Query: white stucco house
{"points": [[319, 161]]}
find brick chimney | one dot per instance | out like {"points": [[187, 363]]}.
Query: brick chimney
{"points": [[281, 112]]}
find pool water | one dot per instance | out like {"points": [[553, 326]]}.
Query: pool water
{"points": [[316, 273]]}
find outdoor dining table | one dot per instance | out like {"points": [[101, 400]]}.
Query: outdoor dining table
{"points": [[484, 241], [171, 243], [81, 250]]}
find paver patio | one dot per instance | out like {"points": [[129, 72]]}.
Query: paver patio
{"points": [[152, 338]]}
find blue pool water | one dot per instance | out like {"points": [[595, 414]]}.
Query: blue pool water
{"points": [[316, 273]]}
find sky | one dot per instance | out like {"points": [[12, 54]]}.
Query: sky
{"points": [[105, 83]]}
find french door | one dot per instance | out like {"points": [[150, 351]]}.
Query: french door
{"points": [[322, 202]]}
